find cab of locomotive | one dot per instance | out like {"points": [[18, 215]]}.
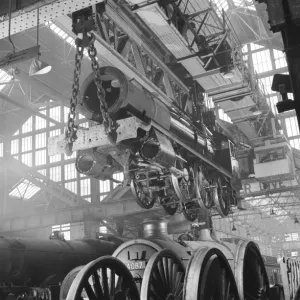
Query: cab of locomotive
{"points": [[226, 154]]}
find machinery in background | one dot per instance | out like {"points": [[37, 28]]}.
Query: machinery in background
{"points": [[167, 157], [273, 270], [35, 269], [274, 160], [284, 18]]}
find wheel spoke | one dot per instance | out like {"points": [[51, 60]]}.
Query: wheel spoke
{"points": [[228, 296], [112, 283], [103, 286], [97, 286], [156, 284], [154, 295], [161, 273], [105, 282], [179, 284], [163, 277], [120, 283], [89, 291], [174, 275], [166, 271]]}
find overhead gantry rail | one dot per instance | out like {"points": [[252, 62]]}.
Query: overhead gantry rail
{"points": [[114, 209]]}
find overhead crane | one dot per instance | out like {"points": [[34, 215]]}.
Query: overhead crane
{"points": [[161, 80]]}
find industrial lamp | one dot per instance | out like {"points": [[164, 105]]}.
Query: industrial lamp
{"points": [[37, 66]]}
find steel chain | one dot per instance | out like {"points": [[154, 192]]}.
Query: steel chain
{"points": [[71, 128], [108, 123]]}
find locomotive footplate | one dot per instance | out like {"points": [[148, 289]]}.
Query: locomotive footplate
{"points": [[95, 136]]}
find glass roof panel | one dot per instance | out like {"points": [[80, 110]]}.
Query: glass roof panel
{"points": [[24, 190], [4, 77]]}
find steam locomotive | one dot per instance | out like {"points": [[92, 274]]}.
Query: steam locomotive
{"points": [[156, 267], [167, 157], [55, 269]]}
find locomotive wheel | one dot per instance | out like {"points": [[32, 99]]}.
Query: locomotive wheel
{"points": [[209, 276], [184, 186], [104, 278], [202, 188], [169, 205], [251, 270], [66, 284], [222, 199], [163, 278], [190, 210], [140, 190]]}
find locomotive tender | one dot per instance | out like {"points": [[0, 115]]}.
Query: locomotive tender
{"points": [[166, 156]]}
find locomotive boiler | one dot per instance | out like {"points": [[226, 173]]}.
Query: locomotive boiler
{"points": [[156, 267], [32, 266], [167, 157]]}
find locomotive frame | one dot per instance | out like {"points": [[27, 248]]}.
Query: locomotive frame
{"points": [[167, 158]]}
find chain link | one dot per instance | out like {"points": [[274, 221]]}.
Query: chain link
{"points": [[109, 124], [71, 127]]}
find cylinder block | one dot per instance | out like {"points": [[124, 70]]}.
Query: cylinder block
{"points": [[123, 97]]}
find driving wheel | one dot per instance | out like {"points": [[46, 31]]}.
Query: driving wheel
{"points": [[190, 210], [209, 277], [222, 199], [184, 184], [204, 190], [145, 197], [164, 277], [105, 278]]}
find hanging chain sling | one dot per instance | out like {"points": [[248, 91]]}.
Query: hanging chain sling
{"points": [[109, 124]]}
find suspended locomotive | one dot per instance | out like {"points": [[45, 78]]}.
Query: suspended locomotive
{"points": [[166, 157], [35, 269], [156, 267]]}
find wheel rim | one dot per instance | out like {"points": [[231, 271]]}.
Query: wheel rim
{"points": [[209, 276], [144, 197], [203, 192], [163, 278], [105, 278], [190, 210], [221, 199], [255, 279], [184, 186], [67, 282]]}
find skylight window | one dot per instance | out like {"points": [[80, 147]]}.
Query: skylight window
{"points": [[4, 78], [24, 190], [64, 36]]}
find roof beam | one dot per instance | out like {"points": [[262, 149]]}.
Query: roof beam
{"points": [[18, 104], [43, 182], [113, 209], [26, 18]]}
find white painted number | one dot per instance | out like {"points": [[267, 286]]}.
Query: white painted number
{"points": [[136, 265]]}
